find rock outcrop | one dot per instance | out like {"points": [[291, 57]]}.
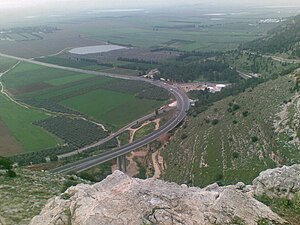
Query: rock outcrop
{"points": [[279, 182], [120, 199]]}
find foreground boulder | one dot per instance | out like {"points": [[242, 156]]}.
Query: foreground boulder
{"points": [[120, 199], [281, 182]]}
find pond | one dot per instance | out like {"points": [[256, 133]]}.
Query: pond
{"points": [[95, 49]]}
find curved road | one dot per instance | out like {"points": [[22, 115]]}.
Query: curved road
{"points": [[183, 105]]}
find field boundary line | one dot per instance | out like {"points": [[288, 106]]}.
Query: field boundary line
{"points": [[3, 88]]}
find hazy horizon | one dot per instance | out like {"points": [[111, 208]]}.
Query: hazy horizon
{"points": [[101, 4], [15, 12]]}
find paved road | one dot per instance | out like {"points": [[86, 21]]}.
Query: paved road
{"points": [[183, 105], [284, 60], [113, 135], [126, 77]]}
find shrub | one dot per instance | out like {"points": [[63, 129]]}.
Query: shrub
{"points": [[246, 113], [5, 163], [184, 136], [11, 173], [254, 139], [215, 122], [235, 155], [235, 107]]}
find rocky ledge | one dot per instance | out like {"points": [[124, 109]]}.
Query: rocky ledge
{"points": [[120, 199]]}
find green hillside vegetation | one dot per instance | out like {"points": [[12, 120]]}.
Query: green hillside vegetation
{"points": [[288, 209], [282, 39], [254, 63], [233, 140], [24, 196]]}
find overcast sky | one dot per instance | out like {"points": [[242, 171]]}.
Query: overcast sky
{"points": [[14, 4]]}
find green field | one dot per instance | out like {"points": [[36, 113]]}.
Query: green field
{"points": [[68, 79], [110, 101], [186, 33], [111, 107], [6, 63], [27, 74], [19, 121]]}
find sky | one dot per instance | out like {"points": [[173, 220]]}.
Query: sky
{"points": [[12, 11], [106, 4]]}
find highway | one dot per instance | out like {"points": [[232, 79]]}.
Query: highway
{"points": [[90, 162], [183, 104], [112, 135]]}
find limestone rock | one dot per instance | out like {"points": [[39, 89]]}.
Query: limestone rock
{"points": [[120, 199], [278, 182]]}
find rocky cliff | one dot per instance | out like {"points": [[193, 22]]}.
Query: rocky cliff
{"points": [[120, 199]]}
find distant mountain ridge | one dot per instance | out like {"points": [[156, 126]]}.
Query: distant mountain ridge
{"points": [[282, 39]]}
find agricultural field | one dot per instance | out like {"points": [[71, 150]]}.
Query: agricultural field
{"points": [[233, 140], [192, 30], [6, 64], [18, 134], [8, 143], [19, 121], [112, 108], [71, 96], [131, 64], [46, 44], [75, 132], [187, 32]]}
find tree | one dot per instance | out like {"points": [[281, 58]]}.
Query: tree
{"points": [[254, 139], [5, 163], [184, 136]]}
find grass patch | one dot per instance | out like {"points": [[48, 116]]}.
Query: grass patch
{"points": [[288, 209], [124, 138], [144, 131]]}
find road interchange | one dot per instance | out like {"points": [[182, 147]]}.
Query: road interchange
{"points": [[183, 104]]}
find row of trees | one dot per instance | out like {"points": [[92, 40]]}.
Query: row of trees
{"points": [[76, 132], [137, 60], [137, 88], [209, 70]]}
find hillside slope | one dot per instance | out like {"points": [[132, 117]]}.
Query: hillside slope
{"points": [[24, 196], [282, 39], [234, 139]]}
